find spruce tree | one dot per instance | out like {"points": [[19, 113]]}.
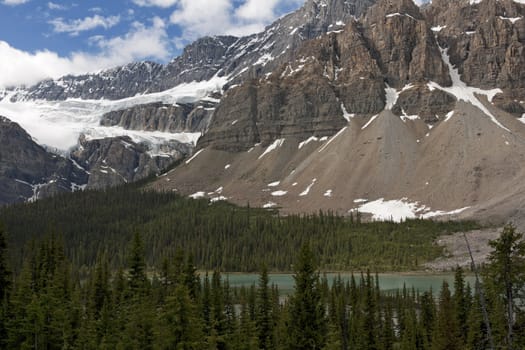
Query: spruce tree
{"points": [[183, 326], [446, 331], [461, 304], [264, 321], [5, 288], [506, 271], [307, 327], [477, 332], [137, 266], [5, 274]]}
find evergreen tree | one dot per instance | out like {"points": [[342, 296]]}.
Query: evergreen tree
{"points": [[461, 304], [264, 320], [506, 271], [307, 327], [246, 333], [428, 314], [446, 331], [137, 266], [477, 333], [5, 274], [5, 288], [183, 327]]}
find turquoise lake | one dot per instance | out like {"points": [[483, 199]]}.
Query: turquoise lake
{"points": [[420, 282]]}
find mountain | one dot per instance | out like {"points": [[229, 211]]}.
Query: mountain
{"points": [[405, 112], [384, 106], [237, 58], [28, 171], [163, 105]]}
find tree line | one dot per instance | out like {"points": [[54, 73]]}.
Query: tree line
{"points": [[47, 305], [220, 235]]}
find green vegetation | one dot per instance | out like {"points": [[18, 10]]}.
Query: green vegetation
{"points": [[47, 307], [220, 236]]}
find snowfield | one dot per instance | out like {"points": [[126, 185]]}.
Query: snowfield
{"points": [[399, 210], [58, 124]]}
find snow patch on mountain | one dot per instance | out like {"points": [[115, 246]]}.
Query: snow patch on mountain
{"points": [[277, 143], [401, 209], [463, 92]]}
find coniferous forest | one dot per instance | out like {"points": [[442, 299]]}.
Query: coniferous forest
{"points": [[219, 236], [118, 269], [47, 306]]}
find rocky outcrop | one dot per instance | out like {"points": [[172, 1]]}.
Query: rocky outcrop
{"points": [[162, 117], [115, 161], [28, 171], [403, 44], [429, 105], [484, 40]]}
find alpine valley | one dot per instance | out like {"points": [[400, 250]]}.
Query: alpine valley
{"points": [[386, 107]]}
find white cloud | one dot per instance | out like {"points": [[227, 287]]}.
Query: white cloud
{"points": [[142, 42], [257, 10], [76, 26], [159, 3], [14, 2], [54, 6], [249, 17]]}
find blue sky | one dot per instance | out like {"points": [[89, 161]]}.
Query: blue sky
{"points": [[41, 39]]}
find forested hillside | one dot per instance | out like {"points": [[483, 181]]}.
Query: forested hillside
{"points": [[218, 235]]}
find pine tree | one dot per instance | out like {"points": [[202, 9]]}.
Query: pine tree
{"points": [[246, 338], [461, 304], [477, 332], [446, 331], [5, 288], [5, 274], [137, 267], [506, 271], [307, 327], [428, 314], [183, 326], [264, 321]]}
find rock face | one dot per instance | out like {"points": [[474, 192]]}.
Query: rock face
{"points": [[403, 44], [28, 171], [162, 117], [431, 106], [338, 75], [115, 161], [484, 40]]}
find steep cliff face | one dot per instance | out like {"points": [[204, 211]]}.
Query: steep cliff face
{"points": [[115, 161], [484, 40], [186, 117], [338, 76], [28, 171], [403, 44]]}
